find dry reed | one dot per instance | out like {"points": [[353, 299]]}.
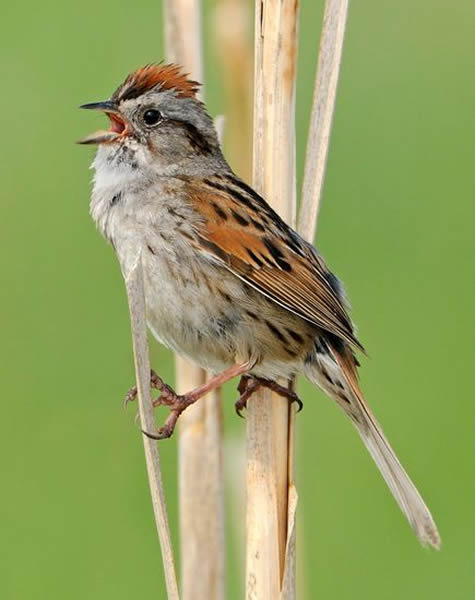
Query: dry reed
{"points": [[136, 299], [272, 497], [200, 427], [268, 415]]}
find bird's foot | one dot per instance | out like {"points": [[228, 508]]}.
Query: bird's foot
{"points": [[167, 397], [177, 403], [248, 385], [156, 383]]}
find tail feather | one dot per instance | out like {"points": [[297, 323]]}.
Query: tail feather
{"points": [[398, 481], [338, 378]]}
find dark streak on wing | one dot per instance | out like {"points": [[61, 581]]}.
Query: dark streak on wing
{"points": [[238, 198], [277, 255], [255, 259], [240, 218], [214, 248], [219, 211], [274, 259]]}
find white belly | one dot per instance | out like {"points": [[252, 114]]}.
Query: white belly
{"points": [[185, 315]]}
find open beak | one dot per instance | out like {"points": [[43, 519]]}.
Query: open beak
{"points": [[117, 129]]}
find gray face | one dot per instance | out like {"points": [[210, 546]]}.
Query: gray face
{"points": [[159, 129]]}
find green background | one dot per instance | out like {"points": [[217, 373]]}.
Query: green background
{"points": [[396, 225]]}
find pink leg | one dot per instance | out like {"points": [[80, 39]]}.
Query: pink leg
{"points": [[177, 403]]}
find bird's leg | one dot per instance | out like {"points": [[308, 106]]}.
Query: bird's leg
{"points": [[248, 385], [177, 403]]}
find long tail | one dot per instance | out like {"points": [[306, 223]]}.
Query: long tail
{"points": [[339, 380]]}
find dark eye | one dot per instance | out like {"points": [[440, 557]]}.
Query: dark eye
{"points": [[151, 117]]}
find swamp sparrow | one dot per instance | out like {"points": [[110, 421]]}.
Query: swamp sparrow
{"points": [[228, 284]]}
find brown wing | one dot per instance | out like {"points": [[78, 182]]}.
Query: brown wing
{"points": [[243, 233]]}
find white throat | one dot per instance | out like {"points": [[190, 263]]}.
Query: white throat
{"points": [[117, 171]]}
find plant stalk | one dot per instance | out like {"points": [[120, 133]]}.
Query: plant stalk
{"points": [[200, 462], [269, 422]]}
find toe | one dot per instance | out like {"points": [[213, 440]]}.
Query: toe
{"points": [[131, 396], [239, 407]]}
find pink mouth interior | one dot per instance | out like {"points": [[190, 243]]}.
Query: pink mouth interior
{"points": [[117, 125]]}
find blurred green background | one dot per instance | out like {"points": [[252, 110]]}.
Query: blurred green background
{"points": [[396, 225]]}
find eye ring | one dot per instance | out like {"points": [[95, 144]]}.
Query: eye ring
{"points": [[151, 117]]}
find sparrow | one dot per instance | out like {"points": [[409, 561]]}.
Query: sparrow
{"points": [[228, 284]]}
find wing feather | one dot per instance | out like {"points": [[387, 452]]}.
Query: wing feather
{"points": [[260, 249]]}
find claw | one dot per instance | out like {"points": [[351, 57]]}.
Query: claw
{"points": [[161, 434], [177, 406], [151, 436], [239, 407], [248, 385], [130, 396]]}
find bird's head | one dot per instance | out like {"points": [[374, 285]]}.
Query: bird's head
{"points": [[155, 116]]}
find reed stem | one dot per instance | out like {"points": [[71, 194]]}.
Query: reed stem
{"points": [[136, 298], [269, 437], [200, 462], [326, 81]]}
